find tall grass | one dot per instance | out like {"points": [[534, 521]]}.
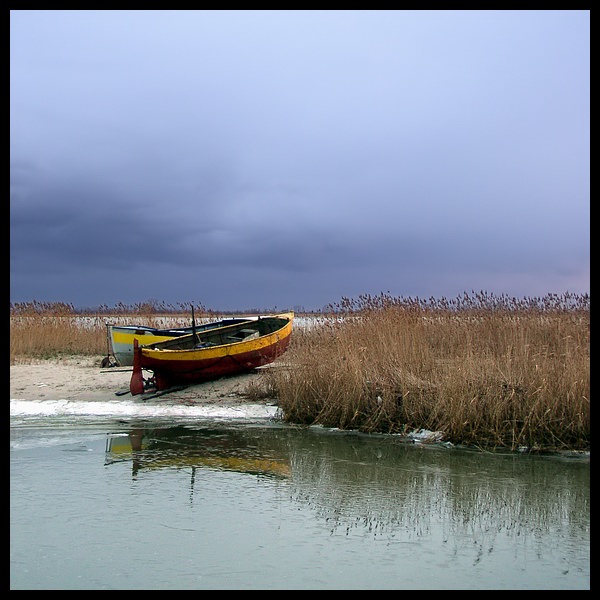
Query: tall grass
{"points": [[484, 370], [41, 330]]}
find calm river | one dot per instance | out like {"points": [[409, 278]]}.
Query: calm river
{"points": [[125, 495]]}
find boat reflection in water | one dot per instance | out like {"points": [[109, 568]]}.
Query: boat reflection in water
{"points": [[181, 447]]}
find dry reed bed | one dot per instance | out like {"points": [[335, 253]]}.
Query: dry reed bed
{"points": [[41, 330], [485, 370]]}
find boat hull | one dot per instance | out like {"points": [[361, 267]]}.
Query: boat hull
{"points": [[171, 367]]}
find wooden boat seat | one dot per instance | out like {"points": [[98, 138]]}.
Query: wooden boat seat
{"points": [[243, 334]]}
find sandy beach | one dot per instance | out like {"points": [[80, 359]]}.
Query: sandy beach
{"points": [[82, 378]]}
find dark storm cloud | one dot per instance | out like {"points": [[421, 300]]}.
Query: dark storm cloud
{"points": [[253, 158]]}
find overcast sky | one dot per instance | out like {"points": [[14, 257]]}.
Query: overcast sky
{"points": [[277, 159]]}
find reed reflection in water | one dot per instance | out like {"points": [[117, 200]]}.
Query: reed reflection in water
{"points": [[470, 508], [399, 492]]}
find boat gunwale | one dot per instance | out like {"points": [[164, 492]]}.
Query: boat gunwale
{"points": [[214, 352]]}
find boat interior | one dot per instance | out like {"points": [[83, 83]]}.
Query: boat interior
{"points": [[228, 334]]}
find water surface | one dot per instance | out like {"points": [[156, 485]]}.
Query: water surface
{"points": [[160, 496]]}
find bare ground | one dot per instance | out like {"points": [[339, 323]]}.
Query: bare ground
{"points": [[82, 378]]}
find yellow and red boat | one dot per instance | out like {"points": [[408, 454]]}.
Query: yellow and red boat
{"points": [[209, 354]]}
